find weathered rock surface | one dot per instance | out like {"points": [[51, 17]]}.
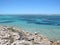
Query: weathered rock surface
{"points": [[13, 36]]}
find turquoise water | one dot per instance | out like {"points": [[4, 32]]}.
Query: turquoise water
{"points": [[46, 25]]}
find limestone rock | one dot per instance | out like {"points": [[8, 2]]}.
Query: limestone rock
{"points": [[13, 36], [22, 42]]}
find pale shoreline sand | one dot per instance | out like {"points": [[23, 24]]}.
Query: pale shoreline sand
{"points": [[13, 35]]}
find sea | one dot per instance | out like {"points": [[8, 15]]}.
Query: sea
{"points": [[47, 25]]}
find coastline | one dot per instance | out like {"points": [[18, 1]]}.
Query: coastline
{"points": [[28, 22], [50, 33], [20, 36]]}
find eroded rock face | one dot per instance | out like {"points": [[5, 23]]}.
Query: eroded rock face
{"points": [[22, 42], [13, 36], [55, 43]]}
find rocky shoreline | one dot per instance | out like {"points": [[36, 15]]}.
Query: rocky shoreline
{"points": [[15, 36]]}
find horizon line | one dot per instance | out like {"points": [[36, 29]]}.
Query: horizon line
{"points": [[29, 14]]}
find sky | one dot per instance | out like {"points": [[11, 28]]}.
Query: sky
{"points": [[29, 6]]}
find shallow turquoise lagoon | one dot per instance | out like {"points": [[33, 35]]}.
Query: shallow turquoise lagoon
{"points": [[46, 25]]}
